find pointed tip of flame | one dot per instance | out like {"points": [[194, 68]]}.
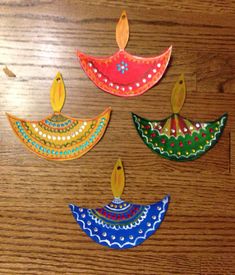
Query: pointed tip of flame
{"points": [[58, 75], [124, 13]]}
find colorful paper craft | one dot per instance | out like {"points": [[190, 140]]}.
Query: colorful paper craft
{"points": [[178, 138], [58, 136], [120, 224], [123, 74]]}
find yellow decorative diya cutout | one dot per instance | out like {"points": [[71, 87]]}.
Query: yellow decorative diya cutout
{"points": [[58, 136]]}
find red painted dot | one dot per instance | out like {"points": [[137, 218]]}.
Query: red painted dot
{"points": [[203, 134], [172, 144], [153, 135], [147, 127], [163, 141], [196, 138], [211, 130], [181, 144], [189, 142]]}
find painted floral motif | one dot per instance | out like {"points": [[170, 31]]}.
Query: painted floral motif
{"points": [[122, 67]]}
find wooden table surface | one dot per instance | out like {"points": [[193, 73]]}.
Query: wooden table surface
{"points": [[38, 234]]}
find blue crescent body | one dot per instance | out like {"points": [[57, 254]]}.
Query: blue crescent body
{"points": [[120, 224]]}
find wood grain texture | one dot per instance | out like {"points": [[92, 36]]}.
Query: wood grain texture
{"points": [[38, 234]]}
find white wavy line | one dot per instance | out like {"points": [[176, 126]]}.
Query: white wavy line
{"points": [[165, 201], [183, 156]]}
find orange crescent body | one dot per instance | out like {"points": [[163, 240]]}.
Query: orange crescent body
{"points": [[60, 137]]}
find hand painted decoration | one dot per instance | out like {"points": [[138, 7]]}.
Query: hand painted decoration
{"points": [[123, 74], [120, 224], [58, 136], [178, 138]]}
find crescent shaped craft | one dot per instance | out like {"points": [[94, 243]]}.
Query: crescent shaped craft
{"points": [[60, 137], [120, 224], [178, 138], [123, 74]]}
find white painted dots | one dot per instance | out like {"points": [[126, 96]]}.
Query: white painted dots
{"points": [[118, 87], [63, 138]]}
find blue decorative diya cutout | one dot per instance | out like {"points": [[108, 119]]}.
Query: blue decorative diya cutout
{"points": [[120, 224]]}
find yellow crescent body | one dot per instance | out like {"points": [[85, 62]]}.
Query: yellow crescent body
{"points": [[60, 137]]}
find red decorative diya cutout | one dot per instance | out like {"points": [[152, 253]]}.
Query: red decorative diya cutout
{"points": [[123, 74]]}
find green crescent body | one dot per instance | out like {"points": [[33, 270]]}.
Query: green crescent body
{"points": [[177, 138]]}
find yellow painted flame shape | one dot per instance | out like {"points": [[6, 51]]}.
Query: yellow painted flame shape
{"points": [[122, 31], [178, 95], [118, 179], [57, 93]]}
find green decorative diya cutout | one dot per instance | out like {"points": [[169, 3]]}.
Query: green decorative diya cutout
{"points": [[178, 138]]}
